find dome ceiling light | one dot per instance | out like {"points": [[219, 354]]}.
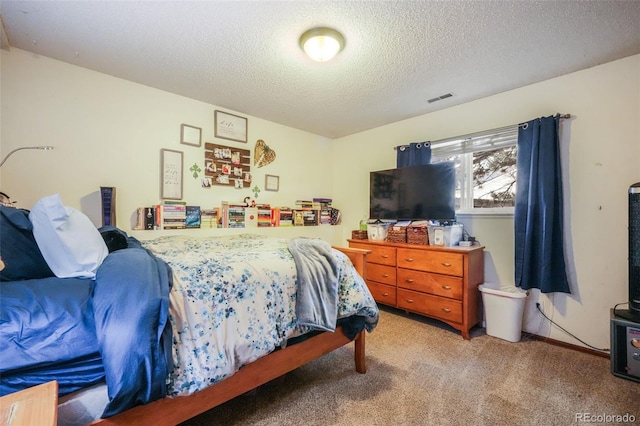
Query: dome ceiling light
{"points": [[321, 44]]}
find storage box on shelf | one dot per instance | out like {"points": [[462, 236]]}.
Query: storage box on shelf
{"points": [[438, 282], [359, 234], [397, 234], [418, 234], [448, 236]]}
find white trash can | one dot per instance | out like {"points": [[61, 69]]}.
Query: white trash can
{"points": [[503, 310]]}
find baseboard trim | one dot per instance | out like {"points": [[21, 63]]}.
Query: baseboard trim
{"points": [[566, 345]]}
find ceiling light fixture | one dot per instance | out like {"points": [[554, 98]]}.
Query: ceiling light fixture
{"points": [[321, 44]]}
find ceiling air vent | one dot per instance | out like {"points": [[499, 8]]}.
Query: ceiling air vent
{"points": [[439, 98]]}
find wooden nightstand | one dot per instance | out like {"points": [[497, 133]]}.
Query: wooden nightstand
{"points": [[37, 406]]}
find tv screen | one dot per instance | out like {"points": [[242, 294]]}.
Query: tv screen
{"points": [[413, 193]]}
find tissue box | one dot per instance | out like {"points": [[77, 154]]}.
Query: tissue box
{"points": [[447, 236]]}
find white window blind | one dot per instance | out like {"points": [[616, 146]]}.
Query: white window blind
{"points": [[475, 142]]}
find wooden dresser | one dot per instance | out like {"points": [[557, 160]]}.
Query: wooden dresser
{"points": [[438, 282]]}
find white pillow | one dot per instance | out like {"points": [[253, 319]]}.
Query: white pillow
{"points": [[68, 240]]}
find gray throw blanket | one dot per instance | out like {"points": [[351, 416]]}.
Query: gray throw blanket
{"points": [[317, 270]]}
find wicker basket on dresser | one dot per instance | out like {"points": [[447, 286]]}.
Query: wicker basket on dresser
{"points": [[438, 282]]}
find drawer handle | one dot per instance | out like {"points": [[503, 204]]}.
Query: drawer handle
{"points": [[447, 310], [409, 259], [385, 294], [409, 300], [446, 264], [446, 287], [384, 256], [385, 275], [408, 280]]}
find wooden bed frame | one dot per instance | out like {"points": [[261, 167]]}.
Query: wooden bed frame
{"points": [[171, 411]]}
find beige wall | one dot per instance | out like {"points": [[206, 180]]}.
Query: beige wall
{"points": [[108, 132], [601, 150]]}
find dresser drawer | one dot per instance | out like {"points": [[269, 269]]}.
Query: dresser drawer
{"points": [[433, 306], [381, 273], [382, 293], [426, 282], [379, 254], [431, 261]]}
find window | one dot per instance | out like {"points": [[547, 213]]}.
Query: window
{"points": [[485, 169]]}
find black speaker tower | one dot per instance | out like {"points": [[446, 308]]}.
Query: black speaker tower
{"points": [[633, 313]]}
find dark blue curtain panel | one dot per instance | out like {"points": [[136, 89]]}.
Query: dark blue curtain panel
{"points": [[414, 154], [538, 217]]}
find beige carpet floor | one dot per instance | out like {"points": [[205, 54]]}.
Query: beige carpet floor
{"points": [[421, 372]]}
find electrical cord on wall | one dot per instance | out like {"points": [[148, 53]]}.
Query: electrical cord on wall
{"points": [[618, 304], [471, 240], [578, 339]]}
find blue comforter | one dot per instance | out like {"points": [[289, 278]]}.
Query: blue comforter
{"points": [[81, 331]]}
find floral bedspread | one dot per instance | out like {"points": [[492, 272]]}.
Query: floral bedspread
{"points": [[234, 300]]}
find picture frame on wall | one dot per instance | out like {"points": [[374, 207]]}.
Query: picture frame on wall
{"points": [[230, 126], [171, 169], [190, 135], [271, 183]]}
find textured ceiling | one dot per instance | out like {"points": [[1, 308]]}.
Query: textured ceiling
{"points": [[244, 55]]}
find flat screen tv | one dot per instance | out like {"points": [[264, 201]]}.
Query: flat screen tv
{"points": [[413, 193]]}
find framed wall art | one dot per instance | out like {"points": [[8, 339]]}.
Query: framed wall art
{"points": [[190, 135], [171, 165], [226, 165], [271, 183], [230, 126]]}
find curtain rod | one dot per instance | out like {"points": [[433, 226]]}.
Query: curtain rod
{"points": [[472, 135]]}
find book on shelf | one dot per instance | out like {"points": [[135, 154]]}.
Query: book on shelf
{"points": [[285, 216], [325, 216], [145, 218], [322, 200], [275, 216], [224, 214], [264, 215], [304, 204], [324, 205], [233, 215], [108, 200], [170, 225], [193, 219], [209, 218], [149, 218], [336, 216], [171, 214], [139, 225], [310, 217]]}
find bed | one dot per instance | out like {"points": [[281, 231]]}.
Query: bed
{"points": [[171, 327]]}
